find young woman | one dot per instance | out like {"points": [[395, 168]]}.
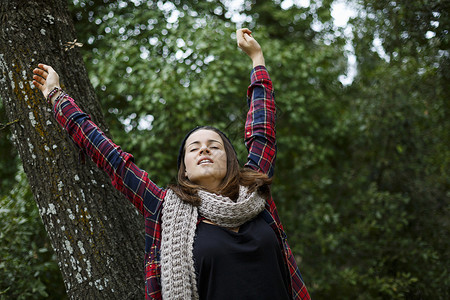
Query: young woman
{"points": [[216, 234]]}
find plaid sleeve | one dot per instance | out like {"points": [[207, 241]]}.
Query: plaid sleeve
{"points": [[119, 165], [260, 124], [298, 287]]}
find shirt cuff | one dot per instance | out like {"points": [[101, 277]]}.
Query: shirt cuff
{"points": [[255, 71], [260, 75]]}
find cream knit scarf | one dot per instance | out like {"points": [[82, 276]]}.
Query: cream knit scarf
{"points": [[179, 221]]}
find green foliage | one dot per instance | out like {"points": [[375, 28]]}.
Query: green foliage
{"points": [[27, 266], [401, 102]]}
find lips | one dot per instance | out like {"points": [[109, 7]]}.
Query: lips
{"points": [[205, 160]]}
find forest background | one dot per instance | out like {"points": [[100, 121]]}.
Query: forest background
{"points": [[362, 176]]}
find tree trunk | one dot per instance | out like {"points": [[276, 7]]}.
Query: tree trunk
{"points": [[97, 235]]}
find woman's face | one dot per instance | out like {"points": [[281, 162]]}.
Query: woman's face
{"points": [[205, 158]]}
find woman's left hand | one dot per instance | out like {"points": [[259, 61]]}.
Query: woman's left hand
{"points": [[250, 46], [45, 79]]}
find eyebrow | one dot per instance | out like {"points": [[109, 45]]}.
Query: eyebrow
{"points": [[209, 141]]}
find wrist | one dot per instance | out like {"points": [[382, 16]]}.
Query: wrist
{"points": [[258, 59], [54, 94]]}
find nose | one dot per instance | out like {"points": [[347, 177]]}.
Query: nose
{"points": [[204, 149]]}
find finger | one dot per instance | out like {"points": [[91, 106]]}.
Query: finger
{"points": [[247, 36], [38, 85], [240, 32], [40, 72], [239, 35], [242, 43], [249, 39], [44, 67], [39, 79], [246, 30]]}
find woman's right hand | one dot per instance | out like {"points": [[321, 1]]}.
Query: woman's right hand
{"points": [[46, 79]]}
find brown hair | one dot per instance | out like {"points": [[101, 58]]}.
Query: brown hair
{"points": [[235, 176]]}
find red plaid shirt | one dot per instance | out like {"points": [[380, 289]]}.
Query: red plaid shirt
{"points": [[147, 197]]}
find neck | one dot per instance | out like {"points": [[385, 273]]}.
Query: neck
{"points": [[210, 187], [209, 183]]}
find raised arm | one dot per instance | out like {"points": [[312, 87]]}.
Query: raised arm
{"points": [[260, 124], [119, 165]]}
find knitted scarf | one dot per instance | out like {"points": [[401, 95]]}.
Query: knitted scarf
{"points": [[179, 221]]}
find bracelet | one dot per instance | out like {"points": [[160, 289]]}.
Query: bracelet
{"points": [[60, 97], [52, 93]]}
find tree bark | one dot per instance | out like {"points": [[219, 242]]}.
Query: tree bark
{"points": [[96, 233]]}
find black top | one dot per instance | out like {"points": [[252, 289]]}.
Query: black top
{"points": [[247, 264]]}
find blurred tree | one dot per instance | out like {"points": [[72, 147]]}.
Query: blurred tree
{"points": [[87, 221]]}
